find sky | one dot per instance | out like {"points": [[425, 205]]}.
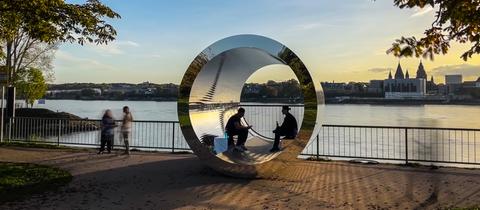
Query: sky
{"points": [[338, 41]]}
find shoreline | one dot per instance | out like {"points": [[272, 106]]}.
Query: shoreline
{"points": [[361, 101], [383, 101]]}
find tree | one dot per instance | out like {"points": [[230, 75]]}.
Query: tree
{"points": [[32, 53], [31, 85], [88, 92], [455, 20], [25, 23]]}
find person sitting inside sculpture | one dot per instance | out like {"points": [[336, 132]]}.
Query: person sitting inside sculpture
{"points": [[235, 128], [289, 128]]}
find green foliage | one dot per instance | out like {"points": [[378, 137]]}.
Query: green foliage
{"points": [[17, 180], [56, 20], [26, 24], [454, 21], [31, 85], [88, 92]]}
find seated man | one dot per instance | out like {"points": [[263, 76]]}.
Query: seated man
{"points": [[234, 127], [288, 128]]}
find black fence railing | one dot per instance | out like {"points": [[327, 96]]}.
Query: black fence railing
{"points": [[149, 135], [408, 144], [263, 117], [405, 144]]}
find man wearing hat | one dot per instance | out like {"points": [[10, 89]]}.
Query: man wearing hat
{"points": [[289, 128]]}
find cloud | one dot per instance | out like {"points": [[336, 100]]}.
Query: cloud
{"points": [[380, 70], [156, 56], [311, 26], [422, 12], [467, 70], [67, 60], [128, 43], [113, 48]]}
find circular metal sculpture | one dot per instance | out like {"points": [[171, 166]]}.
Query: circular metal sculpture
{"points": [[210, 91]]}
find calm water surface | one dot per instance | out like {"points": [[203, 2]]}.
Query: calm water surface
{"points": [[449, 116], [424, 144]]}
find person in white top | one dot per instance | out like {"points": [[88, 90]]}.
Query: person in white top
{"points": [[126, 128]]}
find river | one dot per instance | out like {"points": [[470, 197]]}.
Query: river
{"points": [[445, 116], [440, 145]]}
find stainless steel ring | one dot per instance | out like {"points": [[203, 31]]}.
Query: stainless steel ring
{"points": [[214, 81]]}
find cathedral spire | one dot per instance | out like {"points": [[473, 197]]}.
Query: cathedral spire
{"points": [[421, 74], [399, 72]]}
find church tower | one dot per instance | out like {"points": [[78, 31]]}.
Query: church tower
{"points": [[399, 72], [421, 74]]}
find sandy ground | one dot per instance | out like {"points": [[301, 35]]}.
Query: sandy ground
{"points": [[176, 181]]}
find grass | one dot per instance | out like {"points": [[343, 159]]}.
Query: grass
{"points": [[19, 180], [31, 145]]}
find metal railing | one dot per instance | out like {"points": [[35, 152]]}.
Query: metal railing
{"points": [[263, 117], [405, 144], [154, 135]]}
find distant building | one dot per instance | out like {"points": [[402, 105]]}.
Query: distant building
{"points": [[453, 79], [421, 74], [332, 86], [469, 84], [376, 86], [453, 83], [97, 91], [403, 87], [252, 88]]}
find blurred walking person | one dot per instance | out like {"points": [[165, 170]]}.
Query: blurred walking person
{"points": [[107, 126], [126, 128]]}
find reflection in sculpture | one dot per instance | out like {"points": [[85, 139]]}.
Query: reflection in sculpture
{"points": [[210, 93]]}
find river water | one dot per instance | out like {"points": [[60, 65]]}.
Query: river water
{"points": [[454, 146], [446, 116]]}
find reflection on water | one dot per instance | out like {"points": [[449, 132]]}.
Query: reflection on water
{"points": [[211, 122], [424, 144], [454, 146], [446, 116]]}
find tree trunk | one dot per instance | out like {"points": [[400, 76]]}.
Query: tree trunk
{"points": [[8, 63]]}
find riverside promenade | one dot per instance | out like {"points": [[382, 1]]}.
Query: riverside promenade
{"points": [[180, 181]]}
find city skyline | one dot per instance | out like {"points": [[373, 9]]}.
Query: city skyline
{"points": [[341, 42]]}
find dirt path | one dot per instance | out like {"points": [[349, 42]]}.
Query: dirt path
{"points": [[166, 181]]}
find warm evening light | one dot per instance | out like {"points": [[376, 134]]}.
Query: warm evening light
{"points": [[239, 104]]}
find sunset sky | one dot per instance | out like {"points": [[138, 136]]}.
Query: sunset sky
{"points": [[337, 40]]}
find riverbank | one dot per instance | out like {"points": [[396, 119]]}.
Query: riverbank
{"points": [[159, 180], [384, 101], [44, 113], [336, 100]]}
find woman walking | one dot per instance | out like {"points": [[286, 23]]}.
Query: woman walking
{"points": [[107, 126], [126, 128]]}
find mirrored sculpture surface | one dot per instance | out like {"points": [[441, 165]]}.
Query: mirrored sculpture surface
{"points": [[210, 93]]}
